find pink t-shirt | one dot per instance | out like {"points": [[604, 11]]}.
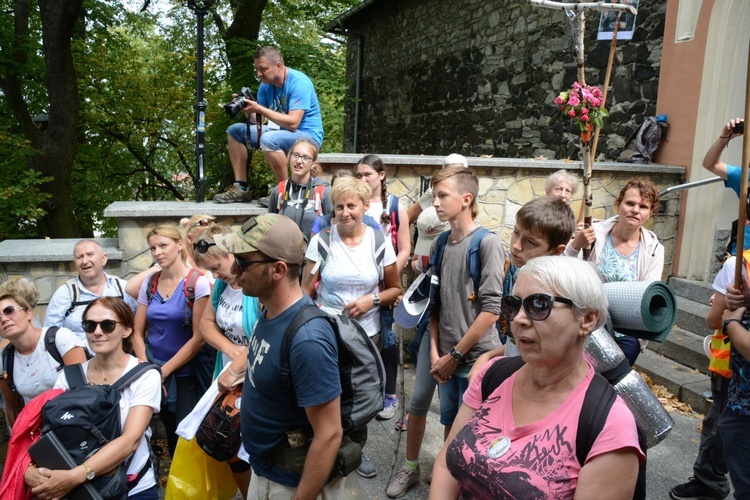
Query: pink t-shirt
{"points": [[492, 458]]}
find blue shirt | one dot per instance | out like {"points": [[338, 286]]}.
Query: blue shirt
{"points": [[297, 92], [733, 181], [266, 415]]}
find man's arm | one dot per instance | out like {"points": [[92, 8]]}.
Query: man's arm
{"points": [[288, 122], [326, 423], [58, 304], [739, 336], [712, 161]]}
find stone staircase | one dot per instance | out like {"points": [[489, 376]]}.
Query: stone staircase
{"points": [[679, 363]]}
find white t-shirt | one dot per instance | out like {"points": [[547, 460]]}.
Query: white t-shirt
{"points": [[376, 211], [229, 318], [350, 273], [145, 391], [37, 372], [726, 275]]}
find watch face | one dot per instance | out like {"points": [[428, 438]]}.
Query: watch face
{"points": [[90, 475]]}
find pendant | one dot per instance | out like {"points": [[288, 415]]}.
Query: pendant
{"points": [[498, 447]]}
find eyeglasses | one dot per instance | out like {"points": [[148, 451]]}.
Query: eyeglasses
{"points": [[10, 312], [537, 306], [304, 158], [202, 246], [203, 222], [107, 325], [242, 263]]}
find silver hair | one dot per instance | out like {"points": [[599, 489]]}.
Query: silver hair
{"points": [[556, 178], [572, 278]]}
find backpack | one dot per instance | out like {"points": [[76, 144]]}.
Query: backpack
{"points": [[599, 398], [189, 289], [473, 256], [219, 432], [75, 294], [646, 140], [393, 210], [317, 197], [87, 417], [360, 367], [324, 246]]}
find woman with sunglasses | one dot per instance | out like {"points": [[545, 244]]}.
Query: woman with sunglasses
{"points": [[623, 249], [303, 197], [34, 369], [162, 334], [520, 441], [108, 324], [227, 324]]}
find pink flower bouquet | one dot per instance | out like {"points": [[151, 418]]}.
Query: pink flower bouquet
{"points": [[581, 104]]}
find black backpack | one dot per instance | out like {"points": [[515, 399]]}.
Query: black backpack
{"points": [[600, 396], [75, 294], [87, 417]]}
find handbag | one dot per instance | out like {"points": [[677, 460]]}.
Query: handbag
{"points": [[219, 432]]}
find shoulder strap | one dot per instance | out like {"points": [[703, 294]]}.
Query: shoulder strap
{"points": [[8, 359], [324, 246], [153, 282], [49, 344], [120, 294], [436, 259], [75, 376], [305, 314], [378, 251], [134, 374], [189, 289], [474, 257], [72, 285], [280, 196], [499, 373], [318, 198], [219, 287], [600, 396], [393, 210]]}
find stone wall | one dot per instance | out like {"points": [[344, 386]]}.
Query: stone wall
{"points": [[479, 77]]}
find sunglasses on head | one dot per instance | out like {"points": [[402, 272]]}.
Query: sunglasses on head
{"points": [[202, 246], [10, 312], [107, 325], [203, 222], [537, 306]]}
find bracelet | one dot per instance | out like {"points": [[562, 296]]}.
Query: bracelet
{"points": [[726, 136], [229, 369]]}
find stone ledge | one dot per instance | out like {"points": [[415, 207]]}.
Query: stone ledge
{"points": [[50, 250], [350, 159], [176, 209]]}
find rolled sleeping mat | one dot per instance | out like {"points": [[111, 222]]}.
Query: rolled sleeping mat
{"points": [[607, 359], [644, 310]]}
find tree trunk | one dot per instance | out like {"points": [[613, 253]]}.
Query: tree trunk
{"points": [[243, 31]]}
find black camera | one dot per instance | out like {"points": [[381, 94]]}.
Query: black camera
{"points": [[238, 103], [739, 128]]}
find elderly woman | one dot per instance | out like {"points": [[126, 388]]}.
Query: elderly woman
{"points": [[623, 249], [520, 441], [561, 184]]}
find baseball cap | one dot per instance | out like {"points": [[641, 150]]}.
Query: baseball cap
{"points": [[428, 228], [275, 235], [455, 159], [418, 300]]}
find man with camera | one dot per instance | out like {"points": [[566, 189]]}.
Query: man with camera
{"points": [[287, 99]]}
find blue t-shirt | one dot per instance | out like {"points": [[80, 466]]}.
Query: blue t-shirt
{"points": [[297, 92], [266, 416], [734, 178]]}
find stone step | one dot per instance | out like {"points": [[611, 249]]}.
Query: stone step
{"points": [[698, 291], [684, 347], [691, 316], [687, 384]]}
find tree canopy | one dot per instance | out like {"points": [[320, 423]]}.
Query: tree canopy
{"points": [[98, 100]]}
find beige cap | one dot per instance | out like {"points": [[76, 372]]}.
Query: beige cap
{"points": [[428, 228], [275, 235]]}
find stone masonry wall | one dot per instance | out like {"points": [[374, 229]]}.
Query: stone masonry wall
{"points": [[479, 77]]}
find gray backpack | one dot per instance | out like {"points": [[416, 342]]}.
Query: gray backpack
{"points": [[360, 367]]}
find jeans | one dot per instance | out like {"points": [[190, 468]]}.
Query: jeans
{"points": [[451, 396], [270, 140], [710, 468], [733, 429]]}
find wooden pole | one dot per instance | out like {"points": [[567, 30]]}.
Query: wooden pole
{"points": [[743, 187], [607, 77]]}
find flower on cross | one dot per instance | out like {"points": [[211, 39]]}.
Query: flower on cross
{"points": [[582, 105]]}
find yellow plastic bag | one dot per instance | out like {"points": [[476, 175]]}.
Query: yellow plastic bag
{"points": [[194, 474]]}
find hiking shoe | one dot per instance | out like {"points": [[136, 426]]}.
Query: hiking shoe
{"points": [[390, 405], [404, 480], [694, 489], [264, 201], [366, 468], [233, 194]]}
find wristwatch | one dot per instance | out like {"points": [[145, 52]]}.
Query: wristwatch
{"points": [[90, 474], [375, 299], [456, 355], [726, 322]]}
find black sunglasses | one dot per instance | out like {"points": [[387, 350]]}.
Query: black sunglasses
{"points": [[537, 306], [242, 263], [202, 222], [107, 325], [202, 246]]}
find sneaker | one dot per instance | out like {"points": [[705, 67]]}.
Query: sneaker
{"points": [[404, 480], [694, 489], [389, 408], [366, 468], [264, 201], [233, 194]]}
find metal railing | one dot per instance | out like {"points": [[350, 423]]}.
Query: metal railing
{"points": [[689, 185]]}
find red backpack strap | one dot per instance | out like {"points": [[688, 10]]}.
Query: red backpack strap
{"points": [[189, 290], [280, 195], [318, 198], [395, 222], [153, 282]]}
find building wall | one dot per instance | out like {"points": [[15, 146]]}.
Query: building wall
{"points": [[479, 77]]}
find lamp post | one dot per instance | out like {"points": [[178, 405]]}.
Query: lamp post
{"points": [[200, 8]]}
